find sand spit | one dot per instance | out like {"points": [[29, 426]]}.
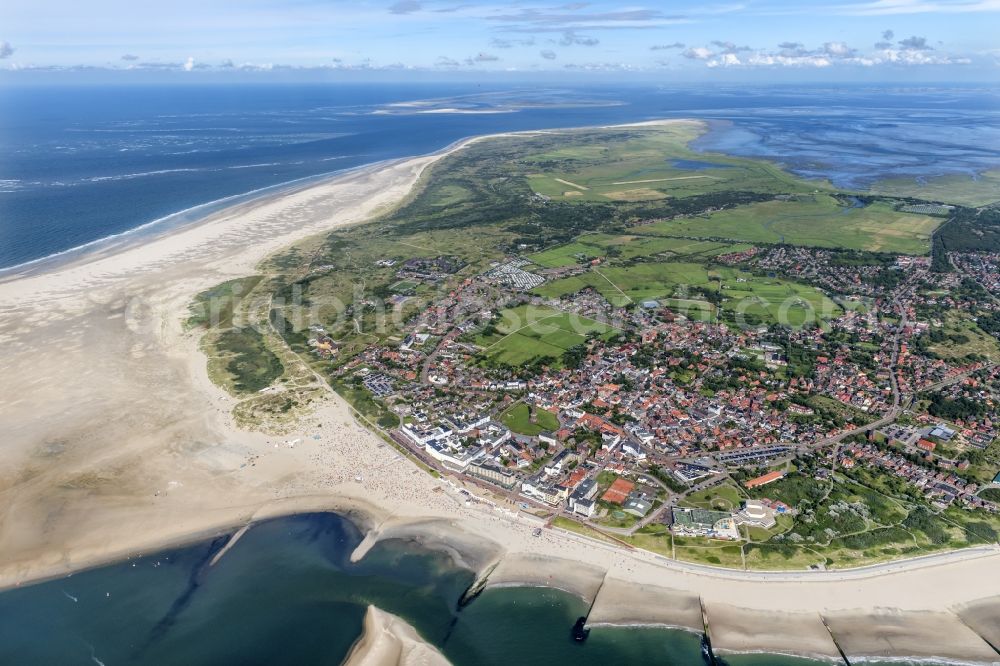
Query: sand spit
{"points": [[624, 603], [389, 641], [523, 570], [884, 633], [735, 629], [983, 617], [465, 549]]}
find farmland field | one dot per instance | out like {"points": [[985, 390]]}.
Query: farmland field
{"points": [[814, 220]]}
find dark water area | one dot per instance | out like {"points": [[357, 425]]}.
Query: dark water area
{"points": [[79, 164], [287, 593]]}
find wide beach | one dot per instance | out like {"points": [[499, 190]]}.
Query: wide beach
{"points": [[117, 443]]}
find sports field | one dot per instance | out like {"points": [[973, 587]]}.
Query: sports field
{"points": [[817, 220]]}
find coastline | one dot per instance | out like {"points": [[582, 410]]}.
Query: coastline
{"points": [[90, 484]]}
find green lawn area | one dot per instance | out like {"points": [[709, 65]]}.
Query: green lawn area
{"points": [[566, 255], [726, 497], [629, 246], [528, 332], [518, 418], [709, 551], [580, 528], [747, 297], [817, 220], [621, 285], [654, 537]]}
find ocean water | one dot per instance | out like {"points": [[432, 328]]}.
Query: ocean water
{"points": [[286, 593], [80, 164]]}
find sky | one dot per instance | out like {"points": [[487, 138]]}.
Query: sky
{"points": [[775, 40]]}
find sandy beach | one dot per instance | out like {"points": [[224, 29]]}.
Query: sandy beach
{"points": [[116, 443]]}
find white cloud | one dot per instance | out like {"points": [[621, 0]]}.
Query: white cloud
{"points": [[698, 53], [781, 60], [725, 60], [189, 64], [6, 50], [912, 51], [838, 50], [547, 54]]}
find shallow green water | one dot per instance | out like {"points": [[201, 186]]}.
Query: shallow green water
{"points": [[287, 594]]}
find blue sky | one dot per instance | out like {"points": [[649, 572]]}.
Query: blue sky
{"points": [[931, 40]]}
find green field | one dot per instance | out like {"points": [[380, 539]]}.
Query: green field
{"points": [[961, 190], [567, 255], [726, 497], [525, 420], [624, 247], [745, 296], [813, 220], [529, 333]]}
